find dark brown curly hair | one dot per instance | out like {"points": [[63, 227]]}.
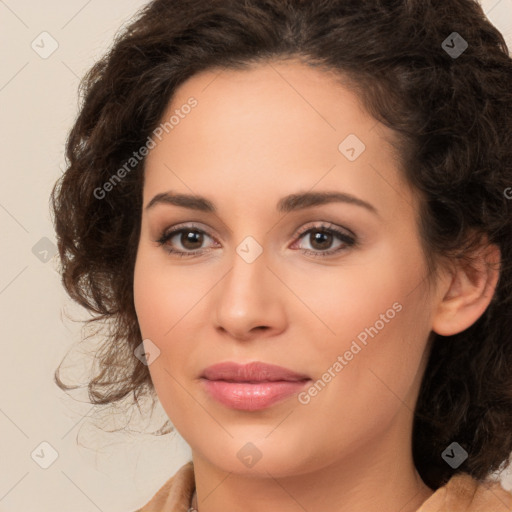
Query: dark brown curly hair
{"points": [[450, 107]]}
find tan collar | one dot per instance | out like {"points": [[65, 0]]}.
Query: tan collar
{"points": [[463, 493]]}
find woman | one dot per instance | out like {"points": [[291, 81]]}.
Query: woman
{"points": [[296, 217]]}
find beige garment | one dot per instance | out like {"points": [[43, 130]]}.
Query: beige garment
{"points": [[462, 493]]}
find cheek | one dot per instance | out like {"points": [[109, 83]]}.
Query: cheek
{"points": [[159, 308], [149, 299], [346, 301], [168, 304], [374, 315], [163, 294]]}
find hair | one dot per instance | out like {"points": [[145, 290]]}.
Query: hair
{"points": [[452, 120]]}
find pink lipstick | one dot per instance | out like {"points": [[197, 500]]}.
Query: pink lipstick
{"points": [[251, 386]]}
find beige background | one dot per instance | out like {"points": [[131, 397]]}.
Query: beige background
{"points": [[38, 102]]}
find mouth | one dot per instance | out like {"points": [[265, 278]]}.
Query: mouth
{"points": [[252, 386]]}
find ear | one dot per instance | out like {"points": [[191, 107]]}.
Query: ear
{"points": [[465, 297]]}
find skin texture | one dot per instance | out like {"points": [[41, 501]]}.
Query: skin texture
{"points": [[255, 136]]}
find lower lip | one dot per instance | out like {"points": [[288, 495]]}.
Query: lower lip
{"points": [[248, 396]]}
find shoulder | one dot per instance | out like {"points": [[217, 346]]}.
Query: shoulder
{"points": [[175, 493], [466, 494]]}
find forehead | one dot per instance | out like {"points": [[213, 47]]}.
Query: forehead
{"points": [[274, 127]]}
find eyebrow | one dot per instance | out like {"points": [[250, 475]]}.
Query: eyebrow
{"points": [[292, 202]]}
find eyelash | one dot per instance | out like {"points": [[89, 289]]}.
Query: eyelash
{"points": [[348, 241]]}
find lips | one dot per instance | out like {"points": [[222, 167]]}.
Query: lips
{"points": [[251, 372], [251, 386]]}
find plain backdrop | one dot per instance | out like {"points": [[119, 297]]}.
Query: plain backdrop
{"points": [[53, 458]]}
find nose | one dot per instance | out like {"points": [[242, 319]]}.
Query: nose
{"points": [[249, 300]]}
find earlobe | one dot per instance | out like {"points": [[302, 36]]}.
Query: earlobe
{"points": [[467, 295]]}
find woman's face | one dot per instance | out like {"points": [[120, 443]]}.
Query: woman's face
{"points": [[352, 314]]}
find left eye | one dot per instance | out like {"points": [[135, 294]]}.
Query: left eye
{"points": [[324, 236], [191, 240]]}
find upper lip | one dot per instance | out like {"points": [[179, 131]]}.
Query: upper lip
{"points": [[251, 372]]}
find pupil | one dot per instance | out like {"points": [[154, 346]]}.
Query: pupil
{"points": [[191, 238], [318, 238]]}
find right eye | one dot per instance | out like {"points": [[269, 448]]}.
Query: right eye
{"points": [[186, 236]]}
